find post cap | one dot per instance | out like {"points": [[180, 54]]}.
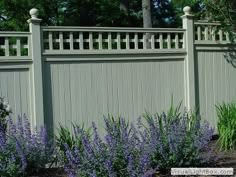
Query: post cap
{"points": [[34, 13], [187, 10]]}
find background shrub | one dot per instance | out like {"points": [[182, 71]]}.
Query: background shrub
{"points": [[5, 111], [227, 125]]}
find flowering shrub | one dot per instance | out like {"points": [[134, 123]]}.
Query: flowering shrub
{"points": [[127, 151], [5, 111], [119, 154], [24, 151], [177, 141]]}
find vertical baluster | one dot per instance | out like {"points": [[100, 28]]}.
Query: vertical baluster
{"points": [[7, 52], [61, 41], [206, 33], [28, 47], [161, 40], [213, 33], [227, 36], [18, 47], [184, 40], [118, 41], [50, 41], [221, 35], [144, 40], [109, 42], [100, 41], [176, 40], [71, 41], [136, 41], [90, 41], [199, 33], [81, 41], [168, 41], [152, 41], [127, 40]]}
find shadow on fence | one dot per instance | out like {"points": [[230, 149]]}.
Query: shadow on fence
{"points": [[230, 55]]}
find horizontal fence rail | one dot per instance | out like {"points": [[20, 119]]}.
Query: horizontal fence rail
{"points": [[14, 44], [205, 31], [110, 39]]}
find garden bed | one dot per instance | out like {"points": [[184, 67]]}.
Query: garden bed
{"points": [[168, 140], [225, 159]]}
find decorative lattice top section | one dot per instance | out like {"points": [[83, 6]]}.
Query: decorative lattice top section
{"points": [[205, 31], [58, 39], [14, 44]]}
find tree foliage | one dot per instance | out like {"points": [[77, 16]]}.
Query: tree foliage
{"points": [[14, 13], [223, 11], [165, 13], [197, 9]]}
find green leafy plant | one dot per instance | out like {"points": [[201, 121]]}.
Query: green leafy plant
{"points": [[227, 125], [72, 140], [5, 111], [174, 111]]}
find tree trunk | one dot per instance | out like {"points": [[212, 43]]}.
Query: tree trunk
{"points": [[147, 20], [124, 6]]}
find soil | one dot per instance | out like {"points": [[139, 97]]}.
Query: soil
{"points": [[51, 172], [224, 159]]}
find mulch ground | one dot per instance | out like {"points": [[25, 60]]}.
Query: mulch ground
{"points": [[224, 159]]}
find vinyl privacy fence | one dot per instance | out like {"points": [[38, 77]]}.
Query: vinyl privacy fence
{"points": [[78, 74]]}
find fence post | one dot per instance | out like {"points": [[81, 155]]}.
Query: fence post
{"points": [[37, 75], [188, 25]]}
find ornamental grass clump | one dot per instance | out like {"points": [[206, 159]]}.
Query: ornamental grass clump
{"points": [[24, 151], [177, 141], [227, 125]]}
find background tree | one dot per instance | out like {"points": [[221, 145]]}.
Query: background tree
{"points": [[147, 19], [164, 13], [197, 8], [14, 13], [223, 11]]}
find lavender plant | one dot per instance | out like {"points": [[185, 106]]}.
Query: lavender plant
{"points": [[177, 141], [23, 151], [72, 140], [118, 154], [140, 151]]}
